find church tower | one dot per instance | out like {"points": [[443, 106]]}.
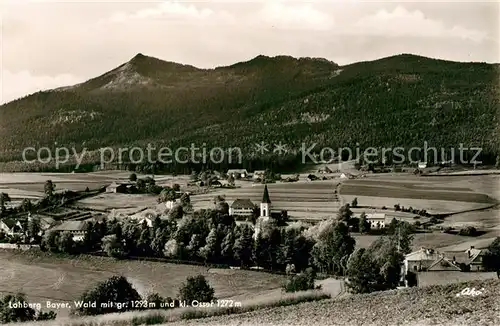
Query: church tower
{"points": [[265, 205]]}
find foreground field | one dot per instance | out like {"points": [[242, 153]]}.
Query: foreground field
{"points": [[45, 277], [417, 306], [432, 305]]}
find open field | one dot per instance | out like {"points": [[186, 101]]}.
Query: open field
{"points": [[430, 240], [432, 206], [484, 219], [479, 243], [393, 191], [109, 201], [46, 277], [434, 305], [34, 182], [437, 195]]}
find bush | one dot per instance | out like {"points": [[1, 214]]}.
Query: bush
{"points": [[116, 290], [47, 315], [9, 314], [196, 288], [113, 246], [66, 243], [469, 231], [159, 301], [301, 282]]}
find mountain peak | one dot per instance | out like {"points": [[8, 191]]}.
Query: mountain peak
{"points": [[139, 57]]}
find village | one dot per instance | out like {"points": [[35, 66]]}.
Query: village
{"points": [[65, 216]]}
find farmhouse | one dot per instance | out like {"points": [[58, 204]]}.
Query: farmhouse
{"points": [[311, 177], [76, 228], [148, 219], [475, 258], [116, 188], [422, 165], [376, 220], [420, 260], [433, 267], [147, 216], [169, 204], [11, 226], [216, 184], [237, 173], [327, 169], [346, 176], [258, 174], [471, 257], [46, 222], [443, 264], [241, 207]]}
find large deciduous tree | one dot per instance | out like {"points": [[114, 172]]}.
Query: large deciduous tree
{"points": [[333, 247], [116, 289], [196, 288]]}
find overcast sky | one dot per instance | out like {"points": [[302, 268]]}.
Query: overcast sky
{"points": [[47, 44]]}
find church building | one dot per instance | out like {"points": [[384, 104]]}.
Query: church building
{"points": [[266, 212]]}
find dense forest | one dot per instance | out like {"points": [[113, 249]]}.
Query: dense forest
{"points": [[399, 101]]}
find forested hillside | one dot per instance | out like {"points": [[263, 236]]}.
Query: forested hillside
{"points": [[402, 100]]}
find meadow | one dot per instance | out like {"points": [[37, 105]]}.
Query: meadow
{"points": [[425, 190], [43, 277], [125, 203]]}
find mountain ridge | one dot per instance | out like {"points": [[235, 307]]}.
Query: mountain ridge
{"points": [[300, 99]]}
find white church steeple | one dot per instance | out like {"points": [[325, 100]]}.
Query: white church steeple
{"points": [[265, 205]]}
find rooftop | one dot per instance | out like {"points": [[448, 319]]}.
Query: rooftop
{"points": [[237, 171], [375, 216], [71, 226], [242, 203], [10, 222], [423, 254], [265, 198]]}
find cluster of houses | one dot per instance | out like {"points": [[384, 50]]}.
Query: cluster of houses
{"points": [[431, 266], [19, 227]]}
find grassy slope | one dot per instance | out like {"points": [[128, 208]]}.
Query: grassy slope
{"points": [[418, 306], [396, 101], [43, 276]]}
